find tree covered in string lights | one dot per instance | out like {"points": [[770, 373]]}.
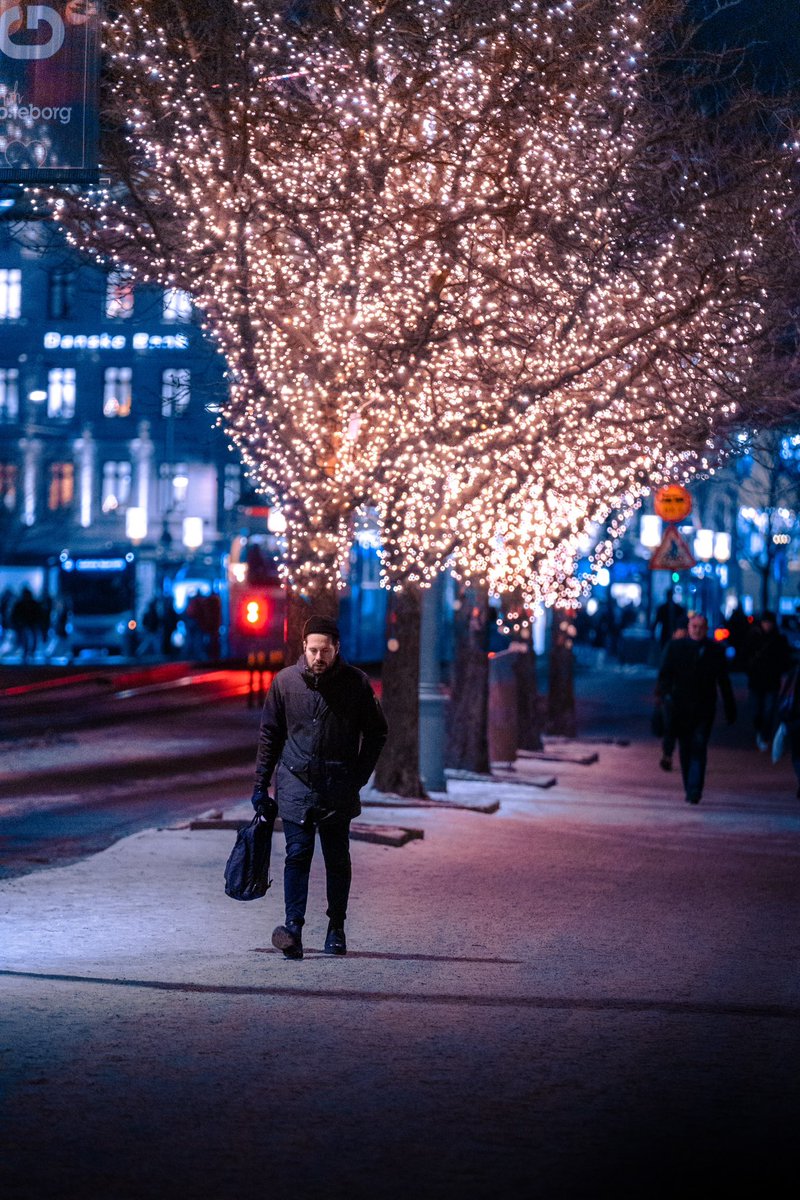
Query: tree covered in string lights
{"points": [[489, 268]]}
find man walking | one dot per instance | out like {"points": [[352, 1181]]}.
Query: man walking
{"points": [[768, 659], [692, 670], [322, 731]]}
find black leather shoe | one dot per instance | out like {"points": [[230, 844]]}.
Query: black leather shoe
{"points": [[335, 942], [665, 763], [692, 798], [289, 939]]}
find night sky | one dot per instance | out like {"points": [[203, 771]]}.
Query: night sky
{"points": [[769, 28]]}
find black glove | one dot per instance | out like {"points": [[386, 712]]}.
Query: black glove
{"points": [[265, 806]]}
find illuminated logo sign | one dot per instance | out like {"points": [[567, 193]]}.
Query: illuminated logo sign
{"points": [[99, 564], [115, 341]]}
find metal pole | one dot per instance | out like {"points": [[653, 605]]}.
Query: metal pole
{"points": [[432, 696]]}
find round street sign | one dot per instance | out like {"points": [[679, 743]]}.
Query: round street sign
{"points": [[672, 503]]}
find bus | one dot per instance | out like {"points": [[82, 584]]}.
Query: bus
{"points": [[99, 595]]}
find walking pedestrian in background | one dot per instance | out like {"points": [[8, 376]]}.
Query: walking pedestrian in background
{"points": [[26, 621], [693, 669], [670, 617], [788, 714], [768, 660], [322, 731]]}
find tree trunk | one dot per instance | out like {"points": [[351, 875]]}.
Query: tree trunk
{"points": [[468, 738], [322, 602], [561, 692], [398, 766], [529, 715]]}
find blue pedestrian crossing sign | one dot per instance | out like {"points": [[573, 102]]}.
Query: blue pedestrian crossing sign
{"points": [[673, 554]]}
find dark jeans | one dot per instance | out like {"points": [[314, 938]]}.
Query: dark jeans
{"points": [[693, 752], [334, 837], [765, 704]]}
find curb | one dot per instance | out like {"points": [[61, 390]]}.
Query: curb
{"points": [[382, 835]]}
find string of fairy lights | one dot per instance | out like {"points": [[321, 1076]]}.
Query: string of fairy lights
{"points": [[467, 266]]}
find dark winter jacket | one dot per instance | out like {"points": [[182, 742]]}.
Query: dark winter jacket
{"points": [[320, 739], [768, 659], [691, 673]]}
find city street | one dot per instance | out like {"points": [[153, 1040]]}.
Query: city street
{"points": [[592, 991]]}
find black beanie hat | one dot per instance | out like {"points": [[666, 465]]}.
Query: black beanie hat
{"points": [[324, 625]]}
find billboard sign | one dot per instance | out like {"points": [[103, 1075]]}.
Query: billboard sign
{"points": [[49, 94]]}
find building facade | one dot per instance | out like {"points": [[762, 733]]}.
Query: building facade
{"points": [[109, 397]]}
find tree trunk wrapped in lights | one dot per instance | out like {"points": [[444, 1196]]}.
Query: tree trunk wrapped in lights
{"points": [[488, 267]]}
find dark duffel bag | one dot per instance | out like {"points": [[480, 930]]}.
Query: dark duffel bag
{"points": [[247, 868]]}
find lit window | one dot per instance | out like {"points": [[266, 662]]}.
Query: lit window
{"points": [[119, 295], [177, 305], [61, 490], [116, 486], [10, 294], [8, 486], [9, 393], [174, 391], [117, 392], [61, 392]]}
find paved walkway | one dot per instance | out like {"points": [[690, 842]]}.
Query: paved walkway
{"points": [[592, 991]]}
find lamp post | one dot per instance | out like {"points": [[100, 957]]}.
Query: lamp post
{"points": [[432, 696], [650, 533]]}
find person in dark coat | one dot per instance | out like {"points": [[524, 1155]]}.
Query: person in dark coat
{"points": [[670, 617], [322, 731], [789, 714], [693, 669], [768, 659], [26, 621]]}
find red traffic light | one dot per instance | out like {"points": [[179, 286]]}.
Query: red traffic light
{"points": [[252, 615]]}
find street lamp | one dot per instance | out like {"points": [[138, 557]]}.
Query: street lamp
{"points": [[192, 532], [650, 531], [135, 524]]}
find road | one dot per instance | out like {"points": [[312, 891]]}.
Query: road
{"points": [[589, 994], [62, 795]]}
